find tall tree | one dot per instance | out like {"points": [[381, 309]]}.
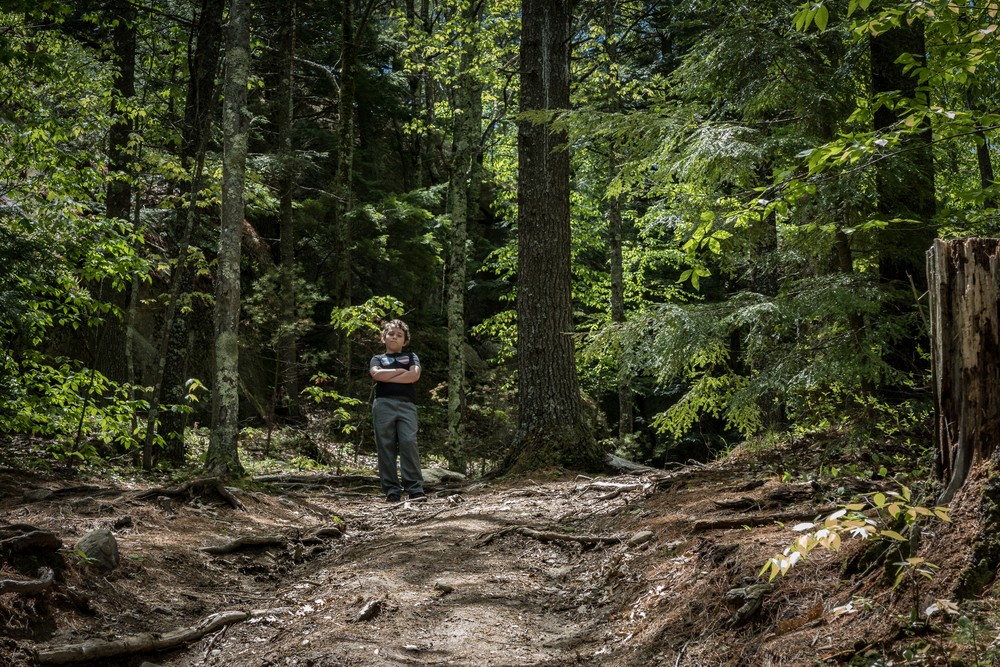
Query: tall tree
{"points": [[119, 197], [223, 454], [200, 106], [288, 367], [465, 140], [905, 183], [353, 25], [551, 427]]}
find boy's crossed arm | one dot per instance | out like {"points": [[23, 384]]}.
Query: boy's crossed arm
{"points": [[397, 375]]}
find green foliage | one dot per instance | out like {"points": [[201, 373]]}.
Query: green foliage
{"points": [[874, 519], [368, 316], [76, 408]]}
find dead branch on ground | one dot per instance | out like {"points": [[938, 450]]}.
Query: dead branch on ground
{"points": [[615, 490], [146, 642]]}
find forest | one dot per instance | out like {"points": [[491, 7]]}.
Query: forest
{"points": [[692, 240]]}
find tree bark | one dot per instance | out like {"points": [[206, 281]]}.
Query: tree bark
{"points": [[615, 241], [905, 183], [288, 372], [551, 427], [464, 140], [965, 353], [119, 196], [223, 454], [984, 158], [199, 108]]}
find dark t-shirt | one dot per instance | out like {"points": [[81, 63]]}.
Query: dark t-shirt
{"points": [[404, 360]]}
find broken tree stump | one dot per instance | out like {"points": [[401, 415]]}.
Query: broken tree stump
{"points": [[964, 289]]}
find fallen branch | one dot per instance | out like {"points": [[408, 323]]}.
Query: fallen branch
{"points": [[146, 642], [45, 576], [195, 487], [760, 520], [246, 542], [545, 536]]}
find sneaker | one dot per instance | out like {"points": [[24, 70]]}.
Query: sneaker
{"points": [[392, 498], [418, 497]]}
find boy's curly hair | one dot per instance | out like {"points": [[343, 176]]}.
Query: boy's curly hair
{"points": [[397, 324]]}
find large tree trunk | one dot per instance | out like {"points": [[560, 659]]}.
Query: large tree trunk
{"points": [[551, 428], [223, 455], [199, 109], [466, 135], [965, 352], [288, 367]]}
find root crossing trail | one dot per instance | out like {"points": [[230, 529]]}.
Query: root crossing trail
{"points": [[454, 581]]}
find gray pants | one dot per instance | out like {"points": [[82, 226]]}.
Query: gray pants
{"points": [[395, 422]]}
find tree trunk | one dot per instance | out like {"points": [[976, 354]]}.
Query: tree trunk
{"points": [[199, 108], [288, 372], [965, 353], [984, 159], [353, 28], [905, 189], [615, 242], [223, 454], [119, 197], [905, 182], [551, 428], [466, 134]]}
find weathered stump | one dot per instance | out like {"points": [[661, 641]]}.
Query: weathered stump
{"points": [[964, 284]]}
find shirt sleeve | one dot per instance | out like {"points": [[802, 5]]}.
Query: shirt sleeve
{"points": [[414, 360]]}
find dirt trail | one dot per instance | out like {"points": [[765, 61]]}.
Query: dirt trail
{"points": [[495, 575], [444, 584]]}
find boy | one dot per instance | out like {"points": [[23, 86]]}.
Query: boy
{"points": [[394, 414]]}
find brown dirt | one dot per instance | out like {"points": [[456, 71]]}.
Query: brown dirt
{"points": [[455, 581]]}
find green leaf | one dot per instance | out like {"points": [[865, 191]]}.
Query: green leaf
{"points": [[893, 534], [822, 17]]}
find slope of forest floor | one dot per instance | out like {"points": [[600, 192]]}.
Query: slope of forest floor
{"points": [[658, 568]]}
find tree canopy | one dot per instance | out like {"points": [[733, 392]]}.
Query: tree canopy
{"points": [[751, 191]]}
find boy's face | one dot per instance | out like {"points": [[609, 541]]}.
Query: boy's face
{"points": [[394, 339]]}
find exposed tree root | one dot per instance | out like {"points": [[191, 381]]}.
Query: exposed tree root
{"points": [[615, 490], [316, 480], [27, 538], [760, 519], [246, 542], [195, 487], [45, 576], [548, 536], [258, 541], [146, 642]]}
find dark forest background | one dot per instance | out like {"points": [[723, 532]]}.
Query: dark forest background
{"points": [[751, 191]]}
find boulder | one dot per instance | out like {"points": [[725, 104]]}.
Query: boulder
{"points": [[101, 548]]}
